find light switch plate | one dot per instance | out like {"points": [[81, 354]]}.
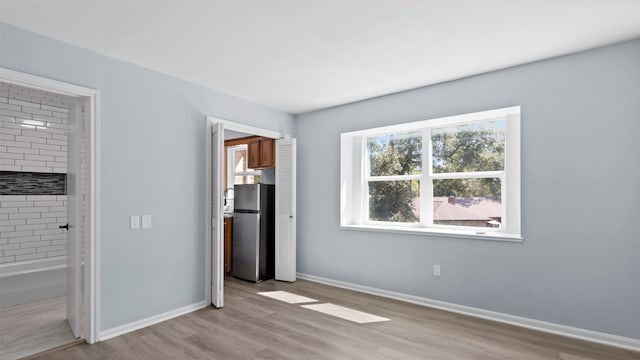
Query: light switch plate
{"points": [[146, 221], [135, 222]]}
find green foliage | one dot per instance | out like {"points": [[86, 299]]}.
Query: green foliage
{"points": [[393, 200], [476, 147], [399, 154], [464, 148]]}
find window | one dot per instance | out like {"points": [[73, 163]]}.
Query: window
{"points": [[237, 170], [458, 176]]}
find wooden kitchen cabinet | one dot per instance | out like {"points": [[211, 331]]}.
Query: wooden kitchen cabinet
{"points": [[228, 244], [261, 153], [267, 153], [253, 150]]}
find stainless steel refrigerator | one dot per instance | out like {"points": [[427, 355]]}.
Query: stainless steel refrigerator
{"points": [[254, 232]]}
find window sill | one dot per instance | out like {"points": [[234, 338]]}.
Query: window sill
{"points": [[464, 234]]}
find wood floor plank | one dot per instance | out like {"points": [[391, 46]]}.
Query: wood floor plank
{"points": [[34, 327], [251, 326]]}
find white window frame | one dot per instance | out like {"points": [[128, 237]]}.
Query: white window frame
{"points": [[231, 173], [354, 193]]}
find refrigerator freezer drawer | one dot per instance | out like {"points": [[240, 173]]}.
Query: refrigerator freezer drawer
{"points": [[246, 246]]}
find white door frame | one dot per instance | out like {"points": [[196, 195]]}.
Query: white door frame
{"points": [[92, 250], [227, 125]]}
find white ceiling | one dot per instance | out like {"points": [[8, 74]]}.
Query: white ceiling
{"points": [[303, 55]]}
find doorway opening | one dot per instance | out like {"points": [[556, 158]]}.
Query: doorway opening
{"points": [[249, 206], [250, 209], [47, 213]]}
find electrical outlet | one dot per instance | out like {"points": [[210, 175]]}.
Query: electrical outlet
{"points": [[436, 270]]}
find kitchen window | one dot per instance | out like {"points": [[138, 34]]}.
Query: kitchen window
{"points": [[238, 171], [453, 176]]}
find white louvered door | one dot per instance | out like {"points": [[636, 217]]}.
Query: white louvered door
{"points": [[285, 210], [77, 210], [216, 163]]}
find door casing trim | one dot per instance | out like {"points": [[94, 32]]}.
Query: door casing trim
{"points": [[235, 126], [92, 267]]}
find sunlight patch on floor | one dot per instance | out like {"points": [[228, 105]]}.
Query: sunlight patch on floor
{"points": [[287, 297], [345, 313]]}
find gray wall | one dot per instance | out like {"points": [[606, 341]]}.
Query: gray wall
{"points": [[578, 265], [152, 162]]}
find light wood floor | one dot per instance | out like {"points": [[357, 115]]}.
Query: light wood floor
{"points": [[256, 327], [31, 328]]}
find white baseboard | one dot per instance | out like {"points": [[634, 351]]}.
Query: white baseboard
{"points": [[548, 327], [136, 325]]}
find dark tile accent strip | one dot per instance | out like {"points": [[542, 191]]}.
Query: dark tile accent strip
{"points": [[32, 183]]}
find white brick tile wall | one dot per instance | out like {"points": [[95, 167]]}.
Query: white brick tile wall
{"points": [[9, 168], [20, 251], [24, 216], [17, 236], [37, 111], [7, 259], [33, 233], [33, 256], [34, 130], [14, 197], [48, 203], [54, 108], [9, 155], [48, 220], [24, 103], [56, 253], [9, 223], [9, 247], [44, 197], [34, 244], [31, 227], [39, 209], [33, 137], [37, 169], [38, 134], [51, 248], [54, 153], [6, 106], [11, 149], [23, 239], [12, 202], [13, 113]]}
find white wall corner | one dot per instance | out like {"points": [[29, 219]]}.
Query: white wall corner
{"points": [[151, 320]]}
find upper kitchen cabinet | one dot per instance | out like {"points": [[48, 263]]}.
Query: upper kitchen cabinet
{"points": [[261, 153]]}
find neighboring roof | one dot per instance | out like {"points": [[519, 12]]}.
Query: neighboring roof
{"points": [[471, 208]]}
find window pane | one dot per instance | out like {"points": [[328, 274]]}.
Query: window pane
{"points": [[395, 154], [396, 201], [240, 160], [469, 147], [467, 202]]}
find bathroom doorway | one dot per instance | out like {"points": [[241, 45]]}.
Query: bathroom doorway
{"points": [[47, 213]]}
